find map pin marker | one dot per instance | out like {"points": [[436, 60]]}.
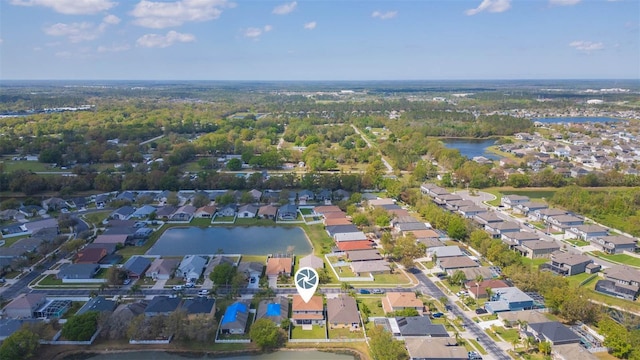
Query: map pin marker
{"points": [[306, 282]]}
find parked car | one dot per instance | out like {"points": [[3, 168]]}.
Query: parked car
{"points": [[365, 291], [378, 291], [189, 285], [178, 288], [203, 292], [126, 282], [481, 311], [437, 315], [253, 280]]}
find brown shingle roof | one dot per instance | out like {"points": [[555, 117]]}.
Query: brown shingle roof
{"points": [[277, 266]]}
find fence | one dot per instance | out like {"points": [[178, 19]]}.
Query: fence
{"points": [[83, 281], [55, 341], [326, 340], [150, 342], [346, 279]]}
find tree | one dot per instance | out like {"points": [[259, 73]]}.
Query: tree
{"points": [[458, 278], [384, 347], [73, 245], [116, 276], [266, 334], [457, 229], [489, 293], [234, 164], [544, 347], [80, 327], [200, 200], [20, 345], [223, 274], [479, 279]]}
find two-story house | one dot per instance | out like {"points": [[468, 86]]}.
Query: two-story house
{"points": [[307, 313]]}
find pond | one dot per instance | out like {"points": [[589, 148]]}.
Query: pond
{"points": [[279, 355], [247, 240], [472, 147]]}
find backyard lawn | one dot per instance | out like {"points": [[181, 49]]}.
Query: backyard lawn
{"points": [[533, 262], [577, 242], [345, 334], [317, 332], [509, 335], [374, 304], [577, 279], [619, 258]]}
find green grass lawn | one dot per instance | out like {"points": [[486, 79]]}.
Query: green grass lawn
{"points": [[254, 258], [577, 279], [35, 166], [397, 278], [254, 222], [306, 211], [509, 335], [317, 332], [477, 345], [221, 219], [533, 262], [345, 334], [374, 304], [578, 242], [96, 218], [619, 258], [201, 222], [12, 240]]}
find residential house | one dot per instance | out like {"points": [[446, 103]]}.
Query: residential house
{"points": [[478, 290], [123, 213], [98, 304], [487, 218], [351, 236], [485, 271], [70, 272], [354, 245], [307, 313], [620, 281], [514, 239], [508, 299], [546, 213], [567, 264], [442, 199], [323, 195], [436, 348], [588, 232], [512, 318], [530, 207], [111, 239], [305, 195], [553, 332], [228, 210], [311, 261], [511, 201], [191, 267], [24, 306], [332, 221], [470, 211], [372, 267], [162, 305], [256, 195], [127, 196], [498, 228], [275, 310], [54, 204], [165, 212], [268, 212], [91, 255], [341, 194], [537, 248], [143, 212], [251, 269], [234, 320], [184, 213], [206, 211], [615, 244], [416, 326], [441, 252], [162, 269], [199, 306], [248, 211], [364, 255], [398, 301], [342, 312], [451, 264], [564, 222], [279, 266], [288, 212], [571, 352], [136, 266], [410, 226], [341, 229]]}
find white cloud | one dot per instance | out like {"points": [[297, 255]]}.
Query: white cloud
{"points": [[71, 7], [384, 15], [586, 46], [83, 31], [285, 9], [564, 2], [255, 32], [158, 15], [310, 25], [113, 48], [494, 6], [163, 41]]}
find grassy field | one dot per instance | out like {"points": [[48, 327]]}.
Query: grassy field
{"points": [[35, 166], [317, 332], [577, 242], [533, 193], [345, 334], [577, 279], [508, 335], [12, 240], [619, 258], [374, 304], [96, 218], [533, 262]]}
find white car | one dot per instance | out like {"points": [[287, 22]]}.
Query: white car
{"points": [[203, 292]]}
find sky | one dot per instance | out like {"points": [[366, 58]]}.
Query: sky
{"points": [[319, 39]]}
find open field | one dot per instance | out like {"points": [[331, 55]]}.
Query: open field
{"points": [[533, 262], [345, 334], [577, 279], [317, 332]]}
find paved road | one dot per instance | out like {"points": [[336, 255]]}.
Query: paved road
{"points": [[430, 288], [384, 161], [21, 286]]}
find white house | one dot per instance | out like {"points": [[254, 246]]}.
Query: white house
{"points": [[191, 267]]}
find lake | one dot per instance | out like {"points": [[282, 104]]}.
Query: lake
{"points": [[578, 120], [248, 240], [280, 355], [472, 147]]}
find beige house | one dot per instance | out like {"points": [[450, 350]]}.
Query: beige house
{"points": [[342, 312], [397, 301]]}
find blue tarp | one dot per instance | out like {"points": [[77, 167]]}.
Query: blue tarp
{"points": [[273, 310], [232, 311]]}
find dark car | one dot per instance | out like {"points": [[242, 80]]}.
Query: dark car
{"points": [[481, 311], [437, 315], [365, 292]]}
